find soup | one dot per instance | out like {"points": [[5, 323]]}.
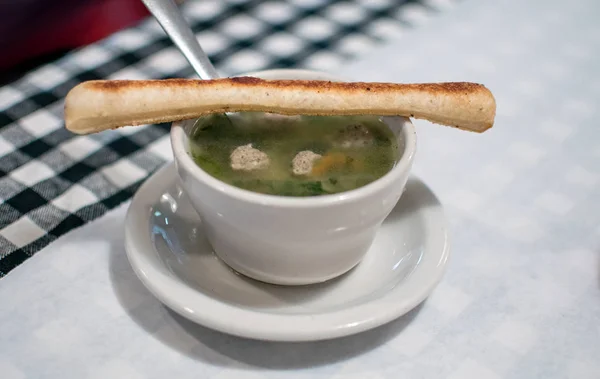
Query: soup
{"points": [[294, 155]]}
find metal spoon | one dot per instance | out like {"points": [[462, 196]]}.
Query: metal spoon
{"points": [[168, 15]]}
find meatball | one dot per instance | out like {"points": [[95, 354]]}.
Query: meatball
{"points": [[354, 135], [248, 158], [302, 163]]}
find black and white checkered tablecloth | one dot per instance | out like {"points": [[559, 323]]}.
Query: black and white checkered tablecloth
{"points": [[52, 181]]}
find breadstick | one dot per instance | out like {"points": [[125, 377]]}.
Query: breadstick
{"points": [[95, 106]]}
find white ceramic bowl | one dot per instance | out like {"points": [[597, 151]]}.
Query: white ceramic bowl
{"points": [[289, 240]]}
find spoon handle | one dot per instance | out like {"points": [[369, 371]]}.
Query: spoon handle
{"points": [[170, 18]]}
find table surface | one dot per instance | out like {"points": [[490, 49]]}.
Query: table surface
{"points": [[520, 299]]}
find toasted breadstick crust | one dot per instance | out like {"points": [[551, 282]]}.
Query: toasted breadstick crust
{"points": [[95, 106]]}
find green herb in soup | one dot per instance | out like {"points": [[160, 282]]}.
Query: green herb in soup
{"points": [[294, 155]]}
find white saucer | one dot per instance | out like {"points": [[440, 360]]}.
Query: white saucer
{"points": [[168, 251]]}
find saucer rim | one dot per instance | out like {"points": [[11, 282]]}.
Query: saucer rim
{"points": [[193, 304]]}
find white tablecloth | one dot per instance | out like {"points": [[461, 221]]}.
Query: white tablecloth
{"points": [[521, 297]]}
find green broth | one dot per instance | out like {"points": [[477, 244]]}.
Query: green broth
{"points": [[363, 149]]}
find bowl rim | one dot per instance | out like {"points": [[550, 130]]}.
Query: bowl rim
{"points": [[179, 139]]}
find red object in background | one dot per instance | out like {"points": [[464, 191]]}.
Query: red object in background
{"points": [[30, 28]]}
